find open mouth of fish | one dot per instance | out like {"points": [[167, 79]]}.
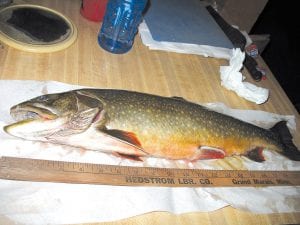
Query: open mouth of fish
{"points": [[33, 112], [34, 121]]}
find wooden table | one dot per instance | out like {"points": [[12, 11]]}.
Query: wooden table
{"points": [[193, 77]]}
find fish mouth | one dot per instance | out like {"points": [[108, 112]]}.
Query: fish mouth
{"points": [[33, 122], [32, 112]]}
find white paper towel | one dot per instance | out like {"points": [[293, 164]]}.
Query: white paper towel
{"points": [[53, 203], [232, 79], [204, 50]]}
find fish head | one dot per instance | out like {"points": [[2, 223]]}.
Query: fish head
{"points": [[53, 115]]}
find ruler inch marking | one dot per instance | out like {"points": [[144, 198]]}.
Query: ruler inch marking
{"points": [[26, 169]]}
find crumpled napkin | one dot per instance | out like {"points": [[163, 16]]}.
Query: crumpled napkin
{"points": [[232, 79], [57, 203]]}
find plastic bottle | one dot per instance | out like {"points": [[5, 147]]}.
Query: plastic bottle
{"points": [[120, 25]]}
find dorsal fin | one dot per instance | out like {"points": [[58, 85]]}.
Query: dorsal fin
{"points": [[179, 98]]}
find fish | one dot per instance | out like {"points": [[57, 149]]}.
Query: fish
{"points": [[134, 125]]}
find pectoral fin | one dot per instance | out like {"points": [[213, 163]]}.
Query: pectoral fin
{"points": [[129, 139], [124, 136], [126, 156]]}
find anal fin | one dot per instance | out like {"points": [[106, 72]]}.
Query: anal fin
{"points": [[256, 154]]}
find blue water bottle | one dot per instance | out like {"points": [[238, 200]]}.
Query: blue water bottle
{"points": [[120, 24]]}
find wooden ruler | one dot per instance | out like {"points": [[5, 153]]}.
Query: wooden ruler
{"points": [[24, 169]]}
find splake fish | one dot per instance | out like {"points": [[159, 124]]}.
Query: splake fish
{"points": [[133, 124]]}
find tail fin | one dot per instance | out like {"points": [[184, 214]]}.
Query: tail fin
{"points": [[289, 149]]}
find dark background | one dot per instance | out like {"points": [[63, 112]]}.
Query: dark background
{"points": [[281, 19]]}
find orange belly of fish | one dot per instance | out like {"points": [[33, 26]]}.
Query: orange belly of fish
{"points": [[212, 148]]}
